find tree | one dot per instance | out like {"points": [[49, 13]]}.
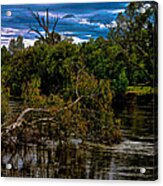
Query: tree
{"points": [[50, 36], [120, 84], [136, 33], [56, 77], [5, 55], [16, 45], [4, 102]]}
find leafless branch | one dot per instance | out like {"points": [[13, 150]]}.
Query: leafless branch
{"points": [[55, 24]]}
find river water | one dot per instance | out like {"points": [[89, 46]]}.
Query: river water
{"points": [[123, 161]]}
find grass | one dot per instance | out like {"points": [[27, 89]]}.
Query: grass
{"points": [[141, 90]]}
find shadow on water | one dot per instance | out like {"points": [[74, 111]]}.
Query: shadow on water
{"points": [[80, 160]]}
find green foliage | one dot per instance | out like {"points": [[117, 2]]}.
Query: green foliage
{"points": [[56, 77], [31, 92], [5, 56], [121, 83], [141, 90], [136, 34], [74, 118], [4, 103], [95, 56], [56, 68]]}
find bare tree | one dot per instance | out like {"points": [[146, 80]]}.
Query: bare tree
{"points": [[50, 36]]}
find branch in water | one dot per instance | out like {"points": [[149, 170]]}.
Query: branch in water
{"points": [[21, 119]]}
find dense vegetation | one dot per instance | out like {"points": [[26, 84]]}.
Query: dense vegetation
{"points": [[80, 80]]}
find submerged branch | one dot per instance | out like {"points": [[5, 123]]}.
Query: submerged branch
{"points": [[29, 110], [21, 118]]}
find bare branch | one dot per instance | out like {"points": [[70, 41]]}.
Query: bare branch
{"points": [[29, 110], [37, 31], [78, 74], [21, 119], [47, 18], [44, 23], [55, 24]]}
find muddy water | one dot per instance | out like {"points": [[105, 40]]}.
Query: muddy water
{"points": [[137, 150]]}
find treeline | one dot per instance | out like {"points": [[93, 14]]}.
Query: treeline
{"points": [[127, 57], [59, 73]]}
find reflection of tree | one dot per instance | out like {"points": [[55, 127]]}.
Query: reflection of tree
{"points": [[59, 162]]}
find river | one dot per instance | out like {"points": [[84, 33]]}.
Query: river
{"points": [[123, 161]]}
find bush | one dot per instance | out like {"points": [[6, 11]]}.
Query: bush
{"points": [[120, 84], [4, 103]]}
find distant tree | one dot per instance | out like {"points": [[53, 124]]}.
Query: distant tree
{"points": [[50, 35], [16, 44]]}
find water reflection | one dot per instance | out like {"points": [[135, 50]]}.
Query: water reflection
{"points": [[82, 160]]}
